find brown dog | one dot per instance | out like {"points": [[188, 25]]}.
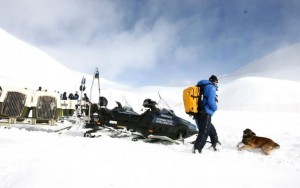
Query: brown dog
{"points": [[251, 141]]}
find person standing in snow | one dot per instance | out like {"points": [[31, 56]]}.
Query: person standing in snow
{"points": [[203, 118]]}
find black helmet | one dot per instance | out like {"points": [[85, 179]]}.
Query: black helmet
{"points": [[213, 78]]}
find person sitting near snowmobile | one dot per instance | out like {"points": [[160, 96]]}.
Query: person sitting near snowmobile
{"points": [[76, 96], [85, 98], [71, 96], [64, 96], [148, 103], [203, 118]]}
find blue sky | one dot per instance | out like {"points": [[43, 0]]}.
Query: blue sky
{"points": [[155, 42]]}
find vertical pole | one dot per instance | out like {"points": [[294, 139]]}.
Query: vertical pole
{"points": [[91, 98], [99, 90], [95, 76], [81, 92]]}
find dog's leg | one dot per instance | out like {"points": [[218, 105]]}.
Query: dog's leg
{"points": [[266, 148], [238, 145], [245, 147]]}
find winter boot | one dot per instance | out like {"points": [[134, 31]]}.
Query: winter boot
{"points": [[214, 146], [196, 151]]}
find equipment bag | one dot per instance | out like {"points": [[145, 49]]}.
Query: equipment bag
{"points": [[193, 99], [191, 96]]}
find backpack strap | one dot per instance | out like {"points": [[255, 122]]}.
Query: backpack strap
{"points": [[202, 86], [201, 109]]}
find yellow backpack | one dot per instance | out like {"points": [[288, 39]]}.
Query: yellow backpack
{"points": [[191, 96]]}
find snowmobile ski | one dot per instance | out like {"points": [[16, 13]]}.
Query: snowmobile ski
{"points": [[164, 138]]}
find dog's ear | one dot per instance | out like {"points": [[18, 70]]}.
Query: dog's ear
{"points": [[247, 131], [250, 132]]}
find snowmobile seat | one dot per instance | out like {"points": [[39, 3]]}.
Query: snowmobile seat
{"points": [[128, 110], [126, 114]]}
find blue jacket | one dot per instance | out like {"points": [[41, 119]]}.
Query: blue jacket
{"points": [[209, 96]]}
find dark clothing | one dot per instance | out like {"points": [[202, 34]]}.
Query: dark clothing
{"points": [[209, 98], [203, 120], [205, 129], [85, 98], [64, 96], [213, 135], [76, 96], [71, 96]]}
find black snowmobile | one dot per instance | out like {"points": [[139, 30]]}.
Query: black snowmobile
{"points": [[154, 123]]}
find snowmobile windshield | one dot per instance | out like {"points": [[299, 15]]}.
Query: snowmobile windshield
{"points": [[164, 107], [128, 108], [167, 111]]}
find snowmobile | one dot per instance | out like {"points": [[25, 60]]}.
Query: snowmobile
{"points": [[154, 123]]}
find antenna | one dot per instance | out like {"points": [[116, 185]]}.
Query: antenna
{"points": [[161, 99], [125, 101]]}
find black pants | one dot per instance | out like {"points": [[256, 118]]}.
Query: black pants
{"points": [[205, 128]]}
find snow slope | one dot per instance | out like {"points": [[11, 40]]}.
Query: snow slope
{"points": [[281, 64], [34, 159], [267, 84], [260, 94], [26, 66]]}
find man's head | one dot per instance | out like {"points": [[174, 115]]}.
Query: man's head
{"points": [[213, 79]]}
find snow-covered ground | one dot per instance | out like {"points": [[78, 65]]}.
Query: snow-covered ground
{"points": [[37, 159]]}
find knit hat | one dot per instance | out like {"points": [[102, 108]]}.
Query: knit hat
{"points": [[213, 78]]}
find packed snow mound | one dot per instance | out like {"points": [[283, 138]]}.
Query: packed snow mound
{"points": [[281, 64]]}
